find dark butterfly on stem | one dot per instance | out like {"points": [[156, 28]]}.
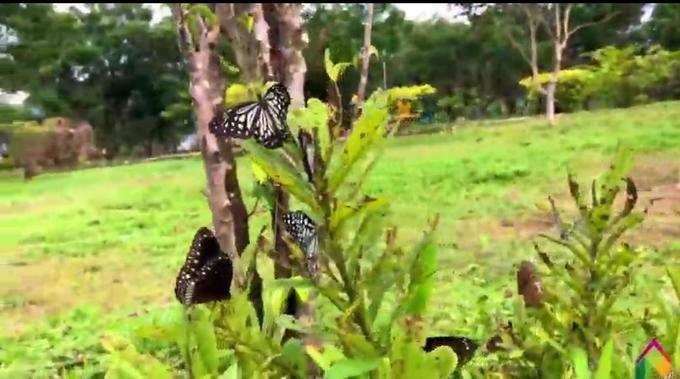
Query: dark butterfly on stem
{"points": [[303, 231], [264, 120], [207, 272], [306, 142], [463, 347]]}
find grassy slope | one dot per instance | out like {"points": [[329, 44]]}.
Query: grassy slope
{"points": [[115, 237]]}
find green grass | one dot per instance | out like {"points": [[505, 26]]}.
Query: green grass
{"points": [[80, 251]]}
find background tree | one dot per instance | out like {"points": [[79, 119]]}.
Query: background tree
{"points": [[107, 64], [554, 21], [365, 58], [662, 27]]}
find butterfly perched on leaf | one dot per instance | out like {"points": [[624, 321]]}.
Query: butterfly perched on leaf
{"points": [[303, 231], [207, 272], [308, 151], [264, 120], [463, 347]]}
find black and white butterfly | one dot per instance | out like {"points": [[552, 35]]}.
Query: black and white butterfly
{"points": [[303, 231], [264, 120], [463, 347], [207, 272]]}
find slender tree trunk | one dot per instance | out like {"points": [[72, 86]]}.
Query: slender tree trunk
{"points": [[246, 44], [206, 87], [384, 74], [365, 60], [287, 39], [550, 101]]}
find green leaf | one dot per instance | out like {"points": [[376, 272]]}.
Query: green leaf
{"points": [[294, 353], [313, 117], [325, 358], [231, 372], [126, 362], [334, 70], [443, 360], [409, 92], [203, 335], [422, 278], [236, 94], [350, 368], [282, 172], [674, 275], [604, 366], [367, 133], [579, 359]]}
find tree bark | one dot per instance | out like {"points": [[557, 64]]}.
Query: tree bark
{"points": [[206, 87], [365, 60], [287, 39], [246, 44], [550, 101]]}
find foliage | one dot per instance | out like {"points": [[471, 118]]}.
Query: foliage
{"points": [[574, 87], [623, 78], [368, 308], [108, 65], [570, 311], [619, 77], [131, 238]]}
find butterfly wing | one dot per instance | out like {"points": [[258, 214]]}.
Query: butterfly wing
{"points": [[271, 129], [236, 122], [207, 272], [463, 347], [303, 231], [265, 120], [307, 148]]}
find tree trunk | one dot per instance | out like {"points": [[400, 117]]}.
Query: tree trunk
{"points": [[246, 44], [365, 60], [550, 101], [287, 39], [206, 87]]}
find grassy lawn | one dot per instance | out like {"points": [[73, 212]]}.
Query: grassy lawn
{"points": [[81, 251]]}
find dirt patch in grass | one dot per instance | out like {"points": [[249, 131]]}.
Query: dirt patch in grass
{"points": [[52, 285]]}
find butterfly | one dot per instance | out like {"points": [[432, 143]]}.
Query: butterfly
{"points": [[207, 272], [303, 231], [306, 142], [265, 119], [463, 347]]}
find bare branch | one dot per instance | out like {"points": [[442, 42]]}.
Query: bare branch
{"points": [[517, 46], [586, 24]]}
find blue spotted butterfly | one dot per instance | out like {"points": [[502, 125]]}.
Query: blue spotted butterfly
{"points": [[264, 120], [303, 231]]}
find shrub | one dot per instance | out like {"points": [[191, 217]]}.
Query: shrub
{"points": [[572, 317], [365, 294]]}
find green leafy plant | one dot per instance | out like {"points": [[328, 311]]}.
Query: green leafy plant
{"points": [[367, 298], [568, 321]]}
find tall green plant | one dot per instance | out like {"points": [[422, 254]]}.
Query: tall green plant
{"points": [[369, 294], [569, 322]]}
